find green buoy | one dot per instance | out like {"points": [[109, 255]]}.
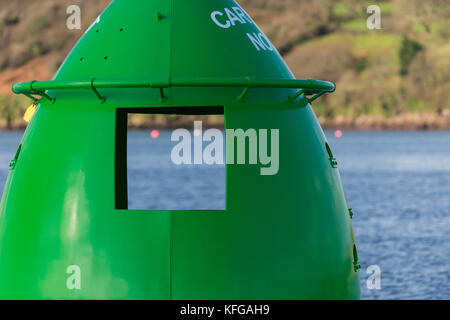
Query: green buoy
{"points": [[64, 210]]}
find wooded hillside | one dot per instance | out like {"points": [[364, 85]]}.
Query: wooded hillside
{"points": [[396, 77]]}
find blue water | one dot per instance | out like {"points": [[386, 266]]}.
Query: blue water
{"points": [[398, 184], [154, 180]]}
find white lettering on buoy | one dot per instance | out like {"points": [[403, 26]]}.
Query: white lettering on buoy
{"points": [[218, 13], [260, 41], [241, 14], [237, 16], [230, 18]]}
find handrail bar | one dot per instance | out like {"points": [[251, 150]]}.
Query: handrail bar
{"points": [[309, 86]]}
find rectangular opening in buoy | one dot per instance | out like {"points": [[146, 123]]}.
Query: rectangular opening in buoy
{"points": [[170, 158]]}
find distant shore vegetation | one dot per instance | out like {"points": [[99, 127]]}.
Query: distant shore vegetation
{"points": [[397, 77]]}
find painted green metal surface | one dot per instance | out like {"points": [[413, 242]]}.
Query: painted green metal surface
{"points": [[287, 236]]}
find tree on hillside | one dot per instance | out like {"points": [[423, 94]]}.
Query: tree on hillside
{"points": [[431, 15], [290, 22], [408, 52]]}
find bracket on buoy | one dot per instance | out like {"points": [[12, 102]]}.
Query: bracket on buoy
{"points": [[41, 93], [295, 96], [243, 94], [318, 95], [99, 96], [161, 95]]}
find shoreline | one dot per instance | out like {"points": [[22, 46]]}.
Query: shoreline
{"points": [[404, 122], [325, 128]]}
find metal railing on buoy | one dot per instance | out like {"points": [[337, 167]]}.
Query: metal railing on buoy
{"points": [[316, 88]]}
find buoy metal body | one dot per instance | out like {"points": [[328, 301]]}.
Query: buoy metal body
{"points": [[283, 236]]}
